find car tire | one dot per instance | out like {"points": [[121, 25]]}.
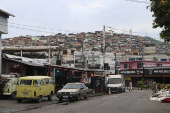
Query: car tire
{"points": [[86, 97], [78, 97], [39, 99], [12, 95], [121, 91], [60, 99], [50, 97], [19, 101]]}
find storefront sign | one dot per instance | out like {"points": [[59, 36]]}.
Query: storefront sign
{"points": [[131, 72], [161, 71]]}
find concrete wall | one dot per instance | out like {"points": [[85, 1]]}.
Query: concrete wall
{"points": [[3, 25]]}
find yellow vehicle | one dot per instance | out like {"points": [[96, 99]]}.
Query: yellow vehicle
{"points": [[34, 88]]}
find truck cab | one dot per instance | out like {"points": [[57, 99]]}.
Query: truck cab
{"points": [[115, 83]]}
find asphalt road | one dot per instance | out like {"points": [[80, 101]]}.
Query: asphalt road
{"points": [[137, 101]]}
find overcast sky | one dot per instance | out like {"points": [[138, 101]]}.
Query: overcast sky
{"points": [[74, 16]]}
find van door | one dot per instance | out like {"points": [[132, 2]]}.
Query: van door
{"points": [[42, 92], [51, 85], [46, 88]]}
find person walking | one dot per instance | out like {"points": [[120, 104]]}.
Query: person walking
{"points": [[130, 86]]}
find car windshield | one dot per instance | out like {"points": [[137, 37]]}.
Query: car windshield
{"points": [[26, 82], [71, 86], [114, 81]]}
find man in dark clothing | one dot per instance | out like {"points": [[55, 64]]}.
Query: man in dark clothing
{"points": [[1, 87]]}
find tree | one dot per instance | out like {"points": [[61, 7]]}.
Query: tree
{"points": [[70, 46], [161, 12]]}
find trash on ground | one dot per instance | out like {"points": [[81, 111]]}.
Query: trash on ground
{"points": [[162, 95]]}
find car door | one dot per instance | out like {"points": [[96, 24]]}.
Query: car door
{"points": [[85, 89], [82, 90]]}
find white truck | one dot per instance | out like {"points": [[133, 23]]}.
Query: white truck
{"points": [[115, 83]]}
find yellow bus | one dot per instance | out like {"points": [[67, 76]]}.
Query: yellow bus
{"points": [[34, 88]]}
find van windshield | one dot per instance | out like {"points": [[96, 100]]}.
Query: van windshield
{"points": [[26, 82], [114, 81]]}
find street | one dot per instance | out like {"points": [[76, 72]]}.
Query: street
{"points": [[136, 101]]}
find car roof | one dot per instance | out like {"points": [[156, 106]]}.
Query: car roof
{"points": [[75, 83], [34, 77]]}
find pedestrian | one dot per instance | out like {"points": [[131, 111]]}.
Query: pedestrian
{"points": [[1, 87], [154, 87], [130, 86], [146, 83]]}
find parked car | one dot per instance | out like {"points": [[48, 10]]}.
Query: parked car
{"points": [[9, 88], [73, 91], [34, 88]]}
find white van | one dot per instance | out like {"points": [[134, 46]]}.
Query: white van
{"points": [[115, 83]]}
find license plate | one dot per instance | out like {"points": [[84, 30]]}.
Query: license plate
{"points": [[65, 96], [25, 93]]}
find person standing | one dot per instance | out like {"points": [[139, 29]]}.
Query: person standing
{"points": [[130, 86], [1, 87], [154, 87]]}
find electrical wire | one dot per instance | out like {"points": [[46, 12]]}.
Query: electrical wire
{"points": [[138, 1]]}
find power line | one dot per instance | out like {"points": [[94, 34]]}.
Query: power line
{"points": [[138, 1], [29, 29], [31, 26]]}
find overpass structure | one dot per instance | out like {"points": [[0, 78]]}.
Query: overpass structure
{"points": [[12, 49]]}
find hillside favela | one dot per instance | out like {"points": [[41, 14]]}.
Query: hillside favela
{"points": [[110, 56]]}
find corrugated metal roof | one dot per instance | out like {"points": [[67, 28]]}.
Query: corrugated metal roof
{"points": [[24, 60], [6, 13]]}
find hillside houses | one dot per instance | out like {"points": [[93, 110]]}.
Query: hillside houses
{"points": [[129, 44]]}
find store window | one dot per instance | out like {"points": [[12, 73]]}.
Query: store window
{"points": [[125, 66]]}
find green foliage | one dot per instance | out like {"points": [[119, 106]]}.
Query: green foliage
{"points": [[70, 46], [163, 85], [158, 86], [143, 86], [161, 12], [168, 86], [140, 84], [149, 86]]}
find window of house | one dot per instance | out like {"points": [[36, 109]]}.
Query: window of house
{"points": [[72, 52], [139, 65], [65, 52], [125, 66], [159, 65]]}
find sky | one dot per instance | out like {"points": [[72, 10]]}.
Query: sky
{"points": [[49, 17]]}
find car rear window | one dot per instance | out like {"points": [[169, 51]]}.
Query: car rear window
{"points": [[26, 82]]}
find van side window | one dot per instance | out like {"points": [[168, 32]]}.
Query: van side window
{"points": [[26, 82], [51, 81], [47, 81], [39, 82], [42, 82], [35, 82]]}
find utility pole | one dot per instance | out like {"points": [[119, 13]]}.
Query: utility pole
{"points": [[49, 49], [142, 63], [103, 46], [0, 54], [115, 64]]}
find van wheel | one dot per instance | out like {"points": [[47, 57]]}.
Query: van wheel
{"points": [[19, 101], [12, 95], [60, 99], [50, 97], [39, 99]]}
